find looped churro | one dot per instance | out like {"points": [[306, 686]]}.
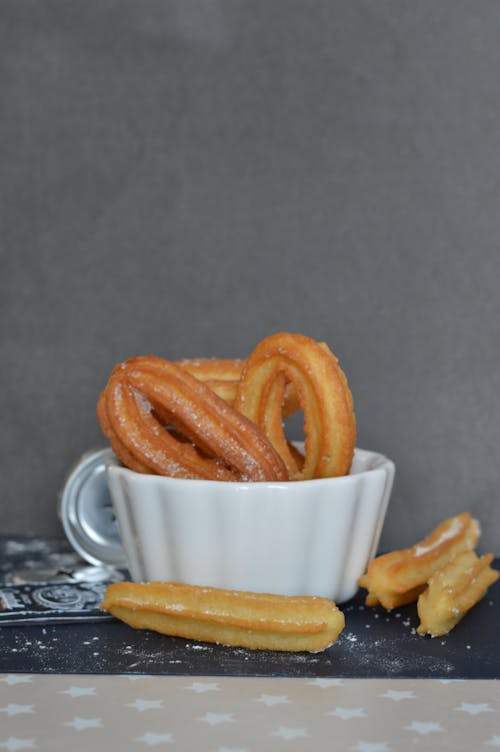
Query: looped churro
{"points": [[222, 376], [146, 393], [227, 617], [323, 394]]}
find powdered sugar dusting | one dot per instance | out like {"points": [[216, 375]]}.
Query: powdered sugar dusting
{"points": [[452, 531]]}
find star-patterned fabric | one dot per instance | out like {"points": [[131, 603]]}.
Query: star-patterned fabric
{"points": [[245, 714]]}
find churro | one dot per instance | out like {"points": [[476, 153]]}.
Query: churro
{"points": [[323, 394], [399, 577], [228, 617], [454, 590], [222, 375], [210, 439]]}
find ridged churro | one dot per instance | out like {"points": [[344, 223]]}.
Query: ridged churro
{"points": [[228, 617], [398, 578], [454, 590], [222, 375], [211, 440], [324, 396]]}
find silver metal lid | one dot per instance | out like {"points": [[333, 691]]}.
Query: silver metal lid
{"points": [[86, 511]]}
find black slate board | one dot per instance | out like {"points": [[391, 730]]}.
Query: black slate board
{"points": [[374, 644]]}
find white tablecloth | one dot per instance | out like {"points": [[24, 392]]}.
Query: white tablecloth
{"points": [[103, 712]]}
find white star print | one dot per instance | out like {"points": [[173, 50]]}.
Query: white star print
{"points": [[152, 739], [215, 719], [371, 747], [12, 744], [199, 687], [474, 709], [285, 732], [13, 709], [16, 679], [270, 700], [424, 727], [79, 724], [346, 713], [141, 705], [397, 695], [493, 742], [325, 683], [78, 691]]}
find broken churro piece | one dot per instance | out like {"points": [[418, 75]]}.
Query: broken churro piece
{"points": [[228, 617], [399, 577], [453, 591]]}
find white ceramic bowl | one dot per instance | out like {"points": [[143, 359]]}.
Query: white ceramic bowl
{"points": [[297, 538]]}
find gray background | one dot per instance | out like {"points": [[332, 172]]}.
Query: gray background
{"points": [[184, 178]]}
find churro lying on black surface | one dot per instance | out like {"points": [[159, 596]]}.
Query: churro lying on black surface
{"points": [[228, 617], [454, 590], [399, 577]]}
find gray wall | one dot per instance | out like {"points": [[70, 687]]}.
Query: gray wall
{"points": [[184, 178]]}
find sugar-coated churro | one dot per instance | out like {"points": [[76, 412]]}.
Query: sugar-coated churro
{"points": [[211, 440], [454, 590], [323, 394], [397, 578], [227, 617], [222, 375]]}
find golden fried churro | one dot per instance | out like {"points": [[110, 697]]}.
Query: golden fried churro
{"points": [[399, 577], [454, 590], [222, 376], [324, 396], [227, 617], [145, 393]]}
